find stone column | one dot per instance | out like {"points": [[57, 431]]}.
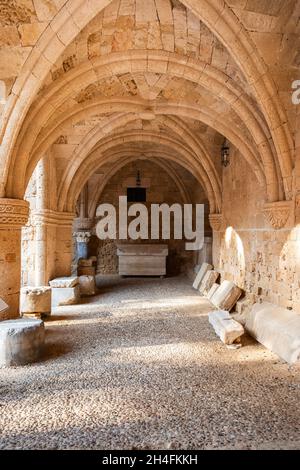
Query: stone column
{"points": [[13, 215], [205, 254], [82, 240], [64, 243]]}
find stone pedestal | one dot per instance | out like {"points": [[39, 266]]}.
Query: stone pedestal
{"points": [[21, 341], [65, 291], [86, 267], [13, 215], [87, 285], [35, 301]]}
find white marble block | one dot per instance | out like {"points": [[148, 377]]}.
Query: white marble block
{"points": [[21, 341], [225, 327], [61, 282], [277, 328], [201, 273], [87, 285], [35, 300], [226, 296], [65, 296], [208, 281], [212, 290]]}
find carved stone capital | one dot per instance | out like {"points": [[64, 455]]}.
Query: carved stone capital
{"points": [[13, 213], [54, 218], [85, 224], [277, 213], [216, 221], [82, 237]]}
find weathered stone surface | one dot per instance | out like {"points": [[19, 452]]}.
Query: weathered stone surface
{"points": [[86, 271], [203, 270], [3, 306], [277, 329], [87, 285], [21, 341], [65, 295], [212, 290], [85, 262], [225, 327], [208, 281], [226, 295], [142, 259], [35, 299], [62, 282]]}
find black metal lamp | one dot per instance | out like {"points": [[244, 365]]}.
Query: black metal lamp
{"points": [[138, 179], [225, 156]]}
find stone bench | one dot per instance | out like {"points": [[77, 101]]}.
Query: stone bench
{"points": [[65, 291], [277, 328], [225, 327], [87, 285], [202, 271], [21, 341], [35, 301], [226, 296]]}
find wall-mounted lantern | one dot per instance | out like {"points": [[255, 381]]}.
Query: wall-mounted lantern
{"points": [[225, 153], [138, 178]]}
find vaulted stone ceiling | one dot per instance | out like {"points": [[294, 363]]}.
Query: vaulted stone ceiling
{"points": [[79, 79]]}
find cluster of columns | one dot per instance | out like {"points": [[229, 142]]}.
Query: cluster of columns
{"points": [[53, 248]]}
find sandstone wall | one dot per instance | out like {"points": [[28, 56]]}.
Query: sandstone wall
{"points": [[248, 250], [160, 188]]}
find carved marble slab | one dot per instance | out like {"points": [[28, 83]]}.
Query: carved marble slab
{"points": [[142, 260]]}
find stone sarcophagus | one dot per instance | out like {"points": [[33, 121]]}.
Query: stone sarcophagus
{"points": [[142, 260]]}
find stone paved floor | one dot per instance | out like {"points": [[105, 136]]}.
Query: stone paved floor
{"points": [[138, 366]]}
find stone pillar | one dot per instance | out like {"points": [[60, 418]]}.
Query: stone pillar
{"points": [[205, 254], [64, 243], [82, 240], [13, 215]]}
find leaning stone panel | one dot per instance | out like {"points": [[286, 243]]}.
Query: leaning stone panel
{"points": [[212, 290], [208, 281], [203, 270], [277, 328], [226, 296], [21, 341], [225, 327]]}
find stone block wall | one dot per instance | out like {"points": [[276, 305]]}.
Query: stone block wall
{"points": [[160, 187], [260, 259]]}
